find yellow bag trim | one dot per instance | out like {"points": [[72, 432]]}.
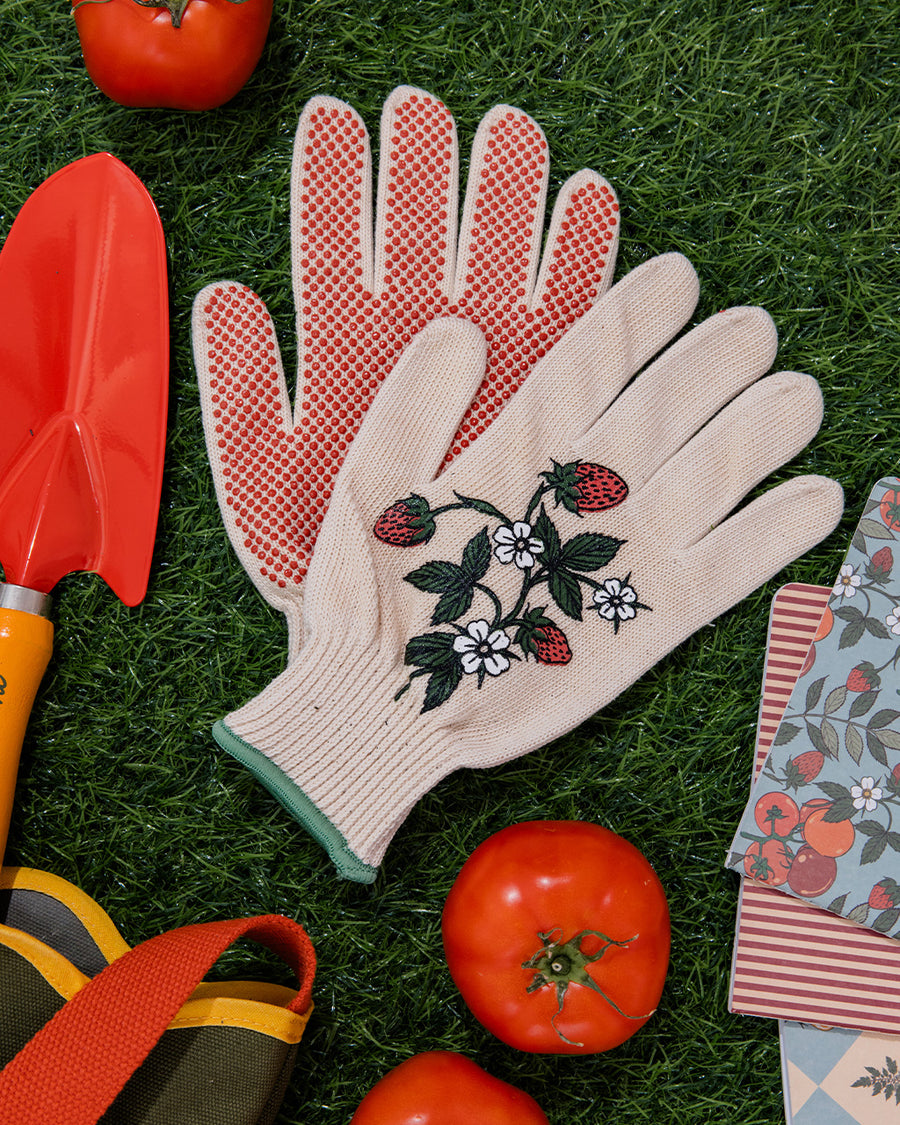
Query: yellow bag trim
{"points": [[255, 1005]]}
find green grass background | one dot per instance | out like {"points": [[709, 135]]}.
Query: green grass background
{"points": [[759, 138]]}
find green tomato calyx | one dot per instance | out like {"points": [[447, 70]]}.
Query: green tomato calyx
{"points": [[559, 964], [176, 7]]}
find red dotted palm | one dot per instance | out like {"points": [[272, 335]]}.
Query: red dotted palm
{"points": [[361, 297]]}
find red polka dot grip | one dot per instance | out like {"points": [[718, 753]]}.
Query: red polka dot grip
{"points": [[362, 290]]}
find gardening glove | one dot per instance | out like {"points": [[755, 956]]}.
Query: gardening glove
{"points": [[360, 299], [466, 617]]}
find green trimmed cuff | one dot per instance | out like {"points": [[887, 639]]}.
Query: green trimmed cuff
{"points": [[301, 808]]}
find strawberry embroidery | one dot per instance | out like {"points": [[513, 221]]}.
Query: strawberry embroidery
{"points": [[485, 645], [405, 523], [581, 486]]}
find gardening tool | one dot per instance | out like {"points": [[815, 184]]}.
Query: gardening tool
{"points": [[84, 370]]}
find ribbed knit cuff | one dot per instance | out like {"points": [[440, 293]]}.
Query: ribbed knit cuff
{"points": [[332, 743]]}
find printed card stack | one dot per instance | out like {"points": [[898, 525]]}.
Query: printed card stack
{"points": [[818, 845]]}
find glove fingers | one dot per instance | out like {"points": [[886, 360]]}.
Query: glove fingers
{"points": [[757, 433], [246, 412], [581, 247], [503, 217], [751, 546], [588, 368], [417, 197], [666, 405], [331, 209], [405, 433]]}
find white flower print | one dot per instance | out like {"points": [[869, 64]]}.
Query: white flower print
{"points": [[517, 544], [866, 795], [848, 580], [893, 621], [479, 648], [615, 600]]}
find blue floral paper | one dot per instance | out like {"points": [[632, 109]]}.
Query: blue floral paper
{"points": [[823, 820]]}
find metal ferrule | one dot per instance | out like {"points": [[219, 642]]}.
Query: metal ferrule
{"points": [[24, 599]]}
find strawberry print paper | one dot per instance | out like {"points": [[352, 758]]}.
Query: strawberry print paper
{"points": [[823, 820]]}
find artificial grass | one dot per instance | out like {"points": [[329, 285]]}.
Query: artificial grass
{"points": [[759, 139]]}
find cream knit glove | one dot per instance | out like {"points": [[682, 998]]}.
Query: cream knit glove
{"points": [[466, 617], [359, 299]]}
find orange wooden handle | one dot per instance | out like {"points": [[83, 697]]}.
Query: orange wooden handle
{"points": [[26, 643]]}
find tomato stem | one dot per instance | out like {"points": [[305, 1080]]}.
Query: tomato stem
{"points": [[176, 7], [558, 964]]}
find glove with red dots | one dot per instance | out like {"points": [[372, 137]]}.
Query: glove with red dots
{"points": [[467, 616], [360, 299]]}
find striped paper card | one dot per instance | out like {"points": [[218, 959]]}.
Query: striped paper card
{"points": [[793, 960]]}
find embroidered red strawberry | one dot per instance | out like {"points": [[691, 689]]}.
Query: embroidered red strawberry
{"points": [[582, 486], [405, 523], [551, 645], [540, 637], [863, 677], [885, 895]]}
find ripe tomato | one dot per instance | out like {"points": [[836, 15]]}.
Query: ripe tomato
{"points": [[180, 54], [443, 1088], [557, 935]]}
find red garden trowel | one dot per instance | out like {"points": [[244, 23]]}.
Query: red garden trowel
{"points": [[84, 356]]}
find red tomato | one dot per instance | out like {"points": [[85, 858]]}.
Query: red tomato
{"points": [[557, 935], [890, 508], [443, 1088], [180, 54], [768, 861]]}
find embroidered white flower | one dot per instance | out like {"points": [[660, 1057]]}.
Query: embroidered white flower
{"points": [[479, 648], [893, 621], [615, 600], [848, 580], [517, 544], [866, 795]]}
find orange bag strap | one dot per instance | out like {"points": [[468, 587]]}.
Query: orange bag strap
{"points": [[74, 1067]]}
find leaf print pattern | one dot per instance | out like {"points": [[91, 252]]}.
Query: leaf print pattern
{"points": [[835, 759]]}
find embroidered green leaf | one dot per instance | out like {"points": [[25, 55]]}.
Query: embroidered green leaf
{"points": [[545, 530], [836, 906], [441, 685], [589, 551], [452, 605], [814, 692], [834, 701], [893, 839], [849, 613], [477, 556], [785, 733], [565, 590], [858, 914], [436, 577], [431, 650], [482, 506]]}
